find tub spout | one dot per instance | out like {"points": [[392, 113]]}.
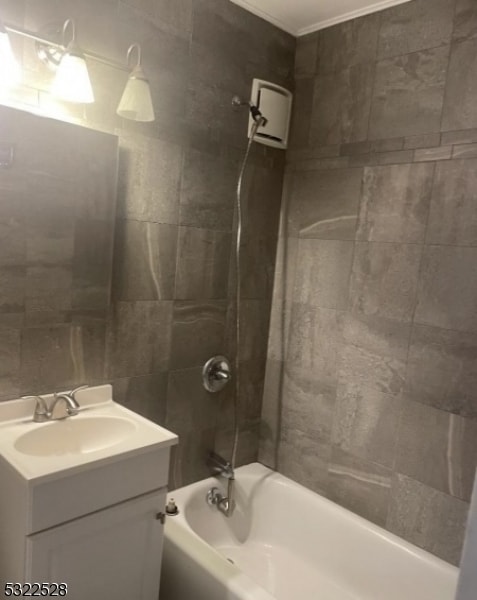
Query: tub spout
{"points": [[220, 466]]}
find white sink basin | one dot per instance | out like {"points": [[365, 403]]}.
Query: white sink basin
{"points": [[70, 436], [103, 431]]}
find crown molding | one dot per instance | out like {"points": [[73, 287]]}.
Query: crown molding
{"points": [[354, 14], [361, 12], [267, 16]]}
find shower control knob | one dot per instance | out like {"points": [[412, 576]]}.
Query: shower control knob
{"points": [[216, 373]]}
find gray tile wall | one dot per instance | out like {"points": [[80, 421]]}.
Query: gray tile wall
{"points": [[371, 386], [172, 273]]}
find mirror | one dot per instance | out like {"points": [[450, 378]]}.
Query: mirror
{"points": [[57, 212]]}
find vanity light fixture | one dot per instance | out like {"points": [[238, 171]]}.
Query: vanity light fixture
{"points": [[72, 82], [136, 101], [10, 72]]}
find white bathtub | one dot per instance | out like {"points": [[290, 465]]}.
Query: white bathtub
{"points": [[288, 543]]}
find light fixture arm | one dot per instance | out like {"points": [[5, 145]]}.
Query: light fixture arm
{"points": [[136, 101], [54, 44], [66, 24], [131, 48]]}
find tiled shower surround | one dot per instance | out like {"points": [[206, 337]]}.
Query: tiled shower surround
{"points": [[173, 266], [373, 343]]}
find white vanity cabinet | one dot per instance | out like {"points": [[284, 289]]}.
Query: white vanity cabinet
{"points": [[91, 519], [109, 555]]}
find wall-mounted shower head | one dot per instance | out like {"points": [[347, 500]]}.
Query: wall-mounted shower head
{"points": [[256, 114]]}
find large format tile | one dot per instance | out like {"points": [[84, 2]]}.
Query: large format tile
{"points": [[465, 24], [278, 337], [145, 395], [359, 485], [325, 204], [408, 94], [189, 406], [251, 376], [384, 280], [176, 14], [428, 518], [307, 406], [62, 356], [301, 113], [341, 105], [414, 26], [448, 288], [442, 369], [453, 218], [209, 115], [145, 261], [247, 447], [197, 332], [347, 44], [271, 412], [202, 263], [254, 320], [365, 423], [262, 196], [304, 459], [322, 273], [207, 191], [149, 180], [438, 449], [256, 266], [383, 337], [315, 343], [139, 338], [374, 354], [208, 66], [306, 55], [460, 110], [190, 458], [395, 203]]}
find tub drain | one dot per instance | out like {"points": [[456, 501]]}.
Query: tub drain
{"points": [[230, 561]]}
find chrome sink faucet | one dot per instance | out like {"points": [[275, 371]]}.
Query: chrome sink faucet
{"points": [[44, 413], [72, 405]]}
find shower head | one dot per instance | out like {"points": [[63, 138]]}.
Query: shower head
{"points": [[256, 114]]}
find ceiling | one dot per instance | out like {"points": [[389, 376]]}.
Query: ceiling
{"points": [[299, 17]]}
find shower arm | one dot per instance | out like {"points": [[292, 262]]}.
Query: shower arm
{"points": [[254, 111]]}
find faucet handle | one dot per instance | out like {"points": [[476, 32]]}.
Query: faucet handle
{"points": [[42, 412], [75, 391]]}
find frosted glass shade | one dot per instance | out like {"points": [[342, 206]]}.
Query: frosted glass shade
{"points": [[10, 72], [136, 101], [72, 82]]}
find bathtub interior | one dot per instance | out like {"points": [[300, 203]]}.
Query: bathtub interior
{"points": [[294, 543]]}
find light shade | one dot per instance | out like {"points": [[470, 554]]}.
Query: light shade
{"points": [[72, 82], [136, 101], [10, 72]]}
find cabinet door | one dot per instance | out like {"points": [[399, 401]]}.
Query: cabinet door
{"points": [[114, 554]]}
